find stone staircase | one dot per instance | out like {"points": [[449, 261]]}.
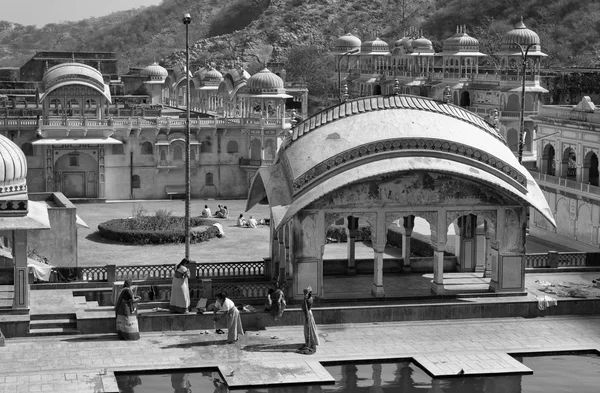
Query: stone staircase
{"points": [[52, 325]]}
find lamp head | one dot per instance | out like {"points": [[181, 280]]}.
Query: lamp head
{"points": [[186, 19]]}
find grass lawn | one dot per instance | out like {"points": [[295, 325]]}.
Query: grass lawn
{"points": [[239, 244]]}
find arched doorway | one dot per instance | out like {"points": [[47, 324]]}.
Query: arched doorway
{"points": [[569, 164], [590, 169], [465, 99], [548, 163], [255, 149], [76, 175], [512, 139], [513, 104]]}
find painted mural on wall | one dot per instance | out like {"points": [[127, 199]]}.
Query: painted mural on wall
{"points": [[417, 188]]}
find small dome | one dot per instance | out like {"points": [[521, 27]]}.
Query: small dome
{"points": [[421, 44], [521, 35], [377, 46], [347, 42], [213, 74], [265, 80], [461, 42], [13, 168], [154, 70]]}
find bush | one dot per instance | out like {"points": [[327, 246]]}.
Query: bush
{"points": [[160, 229]]}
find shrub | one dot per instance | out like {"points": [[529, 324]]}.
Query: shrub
{"points": [[160, 229]]}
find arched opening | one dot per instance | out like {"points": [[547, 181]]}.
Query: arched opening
{"points": [[569, 164], [255, 149], [590, 168], [177, 152], [163, 156], [232, 147], [208, 179], [27, 149], [548, 163], [377, 90], [465, 99], [270, 149], [513, 104], [206, 146], [147, 148], [76, 175], [135, 181]]}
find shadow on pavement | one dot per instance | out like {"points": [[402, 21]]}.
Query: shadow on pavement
{"points": [[272, 348], [197, 344]]}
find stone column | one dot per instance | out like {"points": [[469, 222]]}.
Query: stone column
{"points": [[409, 224], [308, 234], [352, 231], [480, 248], [379, 240], [468, 225], [19, 254], [488, 250], [438, 241], [273, 273], [508, 270]]}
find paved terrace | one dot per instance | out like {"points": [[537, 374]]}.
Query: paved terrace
{"points": [[86, 363]]}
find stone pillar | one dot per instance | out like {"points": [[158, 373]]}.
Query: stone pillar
{"points": [[468, 226], [379, 240], [19, 254], [308, 233], [352, 231], [409, 224], [488, 250], [438, 241], [480, 248], [508, 270], [274, 252]]}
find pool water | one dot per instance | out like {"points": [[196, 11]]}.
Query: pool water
{"points": [[552, 374]]}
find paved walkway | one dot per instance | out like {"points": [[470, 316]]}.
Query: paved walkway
{"points": [[86, 363]]}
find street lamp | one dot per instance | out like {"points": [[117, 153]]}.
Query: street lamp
{"points": [[186, 21], [524, 53], [350, 52]]}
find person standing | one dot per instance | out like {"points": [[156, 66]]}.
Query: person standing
{"points": [[126, 313], [226, 306], [311, 338], [180, 291]]}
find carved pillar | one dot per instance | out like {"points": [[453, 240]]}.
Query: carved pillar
{"points": [[480, 249], [308, 234], [409, 224], [379, 242], [508, 270], [352, 231], [438, 241], [468, 225], [19, 254], [274, 252], [488, 250], [281, 248]]}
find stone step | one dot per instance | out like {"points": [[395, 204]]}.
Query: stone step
{"points": [[53, 332], [53, 323], [46, 317]]}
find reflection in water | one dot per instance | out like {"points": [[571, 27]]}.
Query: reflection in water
{"points": [[560, 373]]}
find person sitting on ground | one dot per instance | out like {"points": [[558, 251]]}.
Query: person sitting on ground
{"points": [[223, 212], [241, 221], [218, 210], [206, 211], [252, 222]]}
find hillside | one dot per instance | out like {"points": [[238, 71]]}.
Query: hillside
{"points": [[256, 31]]}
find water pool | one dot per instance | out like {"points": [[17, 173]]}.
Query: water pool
{"points": [[552, 374]]}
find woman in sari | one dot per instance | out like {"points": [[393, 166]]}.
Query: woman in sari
{"points": [[275, 303], [311, 339], [180, 292], [126, 312], [225, 306]]}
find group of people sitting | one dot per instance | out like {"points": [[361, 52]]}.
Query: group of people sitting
{"points": [[222, 212], [249, 223]]}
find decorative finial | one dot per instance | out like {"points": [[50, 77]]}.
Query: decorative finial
{"points": [[73, 56], [46, 65]]}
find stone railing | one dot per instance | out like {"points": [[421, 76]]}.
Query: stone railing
{"points": [[566, 112], [554, 259], [111, 273], [567, 183]]}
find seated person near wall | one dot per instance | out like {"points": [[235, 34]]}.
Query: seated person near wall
{"points": [[206, 211], [252, 222], [241, 221]]}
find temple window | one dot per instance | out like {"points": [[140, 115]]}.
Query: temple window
{"points": [[232, 147], [208, 180], [147, 148]]}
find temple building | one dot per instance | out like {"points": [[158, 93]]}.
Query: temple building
{"points": [[91, 133], [421, 158], [411, 66], [569, 144]]}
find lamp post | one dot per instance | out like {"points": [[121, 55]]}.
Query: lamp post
{"points": [[186, 21], [524, 53], [350, 52]]}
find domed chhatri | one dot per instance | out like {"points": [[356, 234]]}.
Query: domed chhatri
{"points": [[68, 71], [347, 42], [13, 169], [154, 70], [421, 44], [523, 36], [376, 46], [264, 80], [461, 42]]}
